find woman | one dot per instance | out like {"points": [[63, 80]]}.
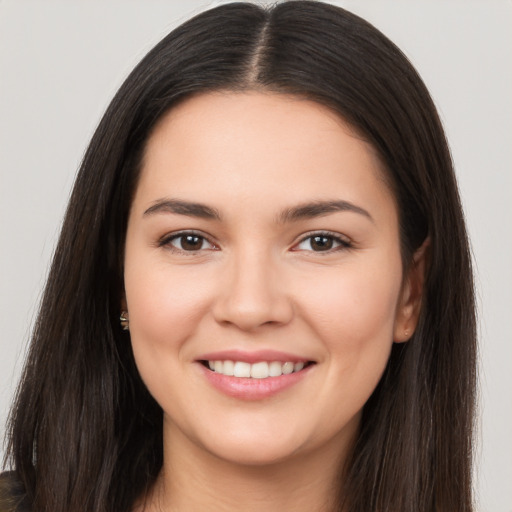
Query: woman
{"points": [[262, 293]]}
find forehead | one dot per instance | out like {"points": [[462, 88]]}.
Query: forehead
{"points": [[257, 145], [245, 113]]}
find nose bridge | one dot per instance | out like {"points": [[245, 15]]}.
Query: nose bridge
{"points": [[252, 290]]}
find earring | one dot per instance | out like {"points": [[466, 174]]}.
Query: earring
{"points": [[125, 323], [406, 333]]}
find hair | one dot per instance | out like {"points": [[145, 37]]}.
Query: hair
{"points": [[85, 434]]}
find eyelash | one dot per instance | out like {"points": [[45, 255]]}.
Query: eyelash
{"points": [[167, 239], [342, 244]]}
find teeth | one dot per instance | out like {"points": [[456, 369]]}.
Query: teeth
{"points": [[228, 368], [260, 370], [275, 369], [241, 369], [287, 368]]}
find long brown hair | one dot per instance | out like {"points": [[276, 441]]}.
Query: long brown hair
{"points": [[85, 434]]}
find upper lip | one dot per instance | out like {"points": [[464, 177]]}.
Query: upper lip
{"points": [[252, 356]]}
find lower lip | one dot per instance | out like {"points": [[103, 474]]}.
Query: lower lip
{"points": [[245, 388]]}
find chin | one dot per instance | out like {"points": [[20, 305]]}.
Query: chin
{"points": [[255, 454]]}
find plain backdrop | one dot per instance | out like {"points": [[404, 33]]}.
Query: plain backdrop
{"points": [[61, 62]]}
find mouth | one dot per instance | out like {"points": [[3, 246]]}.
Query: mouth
{"points": [[254, 375], [256, 370]]}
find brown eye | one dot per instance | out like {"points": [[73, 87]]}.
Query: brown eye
{"points": [[191, 242], [322, 242], [188, 242]]}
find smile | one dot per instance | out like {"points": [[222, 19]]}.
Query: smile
{"points": [[253, 376], [258, 370]]}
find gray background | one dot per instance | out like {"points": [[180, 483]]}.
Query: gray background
{"points": [[61, 62]]}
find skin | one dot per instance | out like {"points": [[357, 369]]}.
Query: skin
{"points": [[257, 282]]}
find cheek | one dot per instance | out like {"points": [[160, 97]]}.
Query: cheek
{"points": [[353, 316], [353, 303], [353, 313], [156, 304], [165, 307]]}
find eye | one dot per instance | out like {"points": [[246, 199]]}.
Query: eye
{"points": [[322, 242], [187, 242]]}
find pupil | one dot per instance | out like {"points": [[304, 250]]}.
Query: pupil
{"points": [[191, 242], [321, 243]]}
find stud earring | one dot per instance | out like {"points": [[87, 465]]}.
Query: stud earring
{"points": [[125, 323]]}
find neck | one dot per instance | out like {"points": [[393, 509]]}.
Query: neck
{"points": [[193, 479]]}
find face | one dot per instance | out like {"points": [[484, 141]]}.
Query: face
{"points": [[263, 276]]}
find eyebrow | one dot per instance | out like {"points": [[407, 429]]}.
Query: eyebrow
{"points": [[319, 209], [302, 211], [183, 208]]}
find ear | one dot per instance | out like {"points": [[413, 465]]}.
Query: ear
{"points": [[409, 304]]}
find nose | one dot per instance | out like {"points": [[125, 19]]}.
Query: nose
{"points": [[253, 294]]}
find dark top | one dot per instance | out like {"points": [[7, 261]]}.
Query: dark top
{"points": [[12, 494]]}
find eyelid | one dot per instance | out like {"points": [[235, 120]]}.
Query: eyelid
{"points": [[165, 241], [343, 241]]}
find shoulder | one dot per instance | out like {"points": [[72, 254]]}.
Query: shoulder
{"points": [[12, 494]]}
